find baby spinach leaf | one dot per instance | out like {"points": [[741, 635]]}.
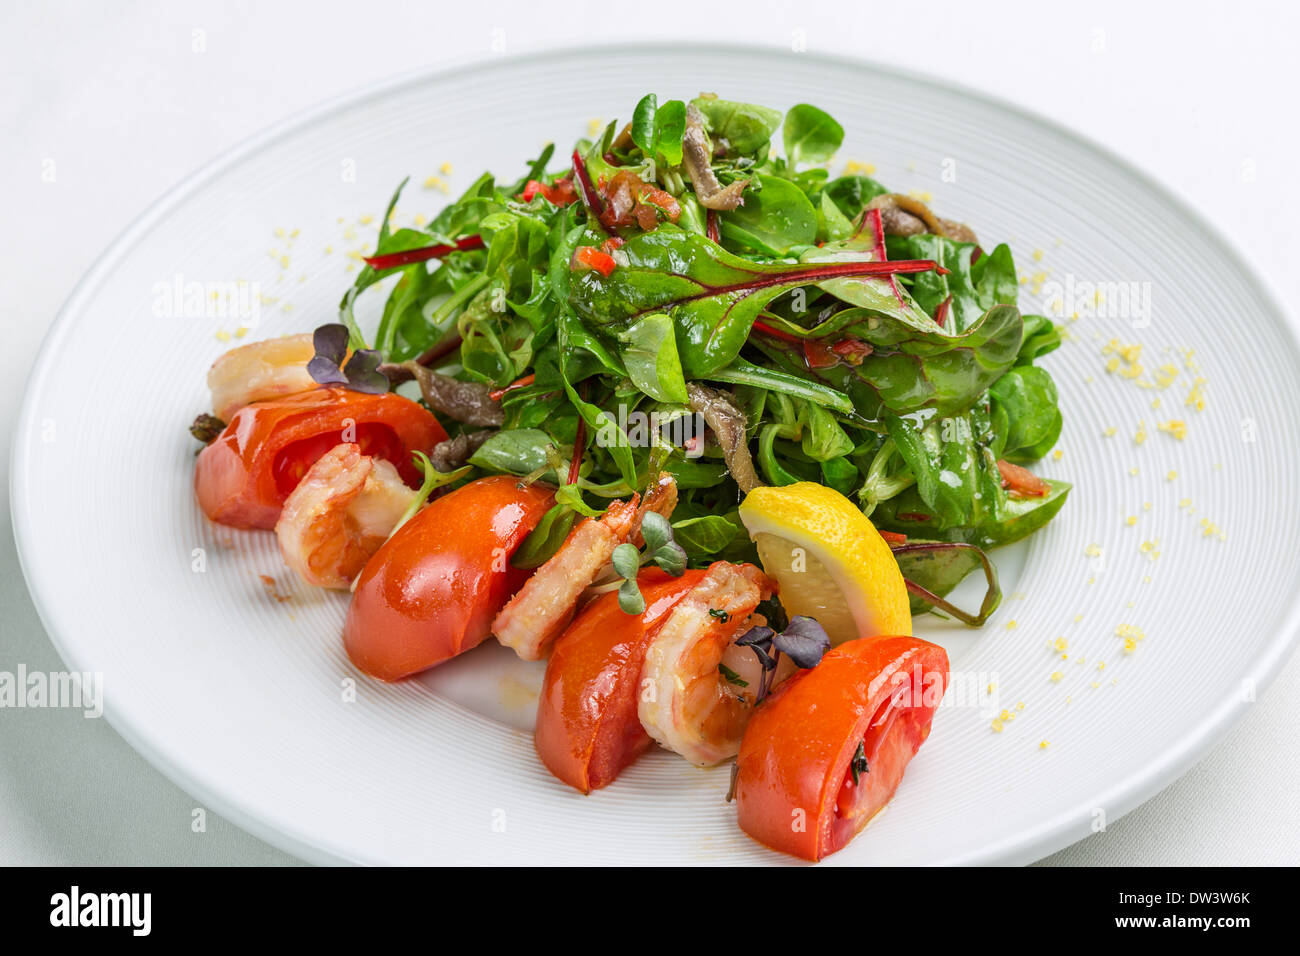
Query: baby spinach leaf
{"points": [[1014, 519], [945, 493], [1024, 401], [746, 127], [518, 451], [823, 439], [810, 135], [658, 130], [775, 220], [832, 223], [1041, 336], [670, 126], [650, 357], [643, 123], [705, 535], [694, 473], [609, 434], [841, 474], [915, 366], [546, 538], [852, 193], [957, 479]]}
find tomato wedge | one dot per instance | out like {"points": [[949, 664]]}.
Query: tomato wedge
{"points": [[587, 724], [796, 789], [432, 590], [245, 474]]}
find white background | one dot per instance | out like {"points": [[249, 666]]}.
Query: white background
{"points": [[128, 98]]}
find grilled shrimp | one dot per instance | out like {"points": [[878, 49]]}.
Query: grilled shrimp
{"points": [[344, 508], [660, 498], [687, 702], [541, 610], [539, 613], [260, 370]]}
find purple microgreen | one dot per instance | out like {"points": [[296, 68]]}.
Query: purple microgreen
{"points": [[804, 641], [759, 640], [331, 342], [324, 372], [362, 372]]}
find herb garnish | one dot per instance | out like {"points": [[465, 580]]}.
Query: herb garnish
{"points": [[804, 641], [858, 765], [360, 373], [731, 676], [660, 549]]}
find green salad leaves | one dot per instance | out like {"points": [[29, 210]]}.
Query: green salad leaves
{"points": [[856, 340]]}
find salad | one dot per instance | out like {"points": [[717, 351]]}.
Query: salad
{"points": [[687, 416]]}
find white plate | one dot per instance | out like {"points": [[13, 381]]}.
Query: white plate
{"points": [[240, 698]]}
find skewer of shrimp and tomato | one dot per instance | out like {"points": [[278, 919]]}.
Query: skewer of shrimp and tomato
{"points": [[821, 734]]}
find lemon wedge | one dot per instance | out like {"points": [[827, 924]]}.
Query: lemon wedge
{"points": [[829, 559]]}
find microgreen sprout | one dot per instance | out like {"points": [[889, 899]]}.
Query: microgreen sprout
{"points": [[804, 641], [360, 372], [433, 479], [660, 549]]}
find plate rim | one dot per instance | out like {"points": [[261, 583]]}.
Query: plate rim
{"points": [[1063, 828]]}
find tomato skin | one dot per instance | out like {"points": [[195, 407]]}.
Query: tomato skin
{"points": [[795, 756], [244, 475], [434, 587], [1021, 482], [589, 257], [587, 724]]}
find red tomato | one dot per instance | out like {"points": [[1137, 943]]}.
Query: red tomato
{"points": [[1021, 482], [434, 587], [587, 724], [589, 257], [795, 790], [244, 476], [560, 194]]}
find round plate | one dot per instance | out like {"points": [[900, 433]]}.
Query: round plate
{"points": [[230, 676]]}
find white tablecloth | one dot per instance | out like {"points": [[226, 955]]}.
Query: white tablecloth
{"points": [[126, 99]]}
